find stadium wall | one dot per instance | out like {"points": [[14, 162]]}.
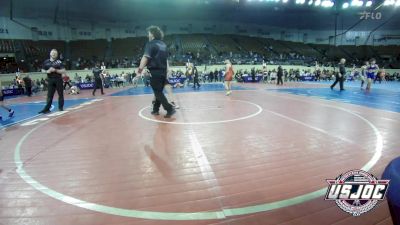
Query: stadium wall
{"points": [[72, 30]]}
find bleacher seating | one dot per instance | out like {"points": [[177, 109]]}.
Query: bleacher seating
{"points": [[88, 48], [336, 53], [193, 43], [393, 50], [41, 49], [250, 44], [7, 46], [207, 45], [321, 49], [278, 46], [224, 43], [170, 41], [302, 49], [127, 47]]}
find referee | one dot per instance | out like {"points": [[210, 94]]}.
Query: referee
{"points": [[98, 79], [155, 58], [54, 69], [340, 76], [196, 77]]}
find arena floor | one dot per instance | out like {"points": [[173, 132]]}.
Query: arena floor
{"points": [[259, 156]]}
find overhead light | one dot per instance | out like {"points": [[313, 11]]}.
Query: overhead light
{"points": [[357, 3], [317, 2], [368, 4], [397, 3], [310, 2], [327, 3], [346, 5], [285, 1], [389, 2]]}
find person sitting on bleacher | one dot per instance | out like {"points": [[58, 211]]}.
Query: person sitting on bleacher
{"points": [[88, 78]]}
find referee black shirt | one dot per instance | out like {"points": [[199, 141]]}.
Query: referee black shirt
{"points": [[157, 54], [96, 73], [56, 64], [342, 69]]}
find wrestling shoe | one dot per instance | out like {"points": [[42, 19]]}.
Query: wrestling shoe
{"points": [[170, 113], [175, 105], [155, 113], [11, 113]]}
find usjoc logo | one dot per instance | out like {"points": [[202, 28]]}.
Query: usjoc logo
{"points": [[356, 191]]}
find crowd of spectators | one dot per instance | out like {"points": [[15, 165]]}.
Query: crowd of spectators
{"points": [[206, 75]]}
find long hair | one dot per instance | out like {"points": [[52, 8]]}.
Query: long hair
{"points": [[156, 32]]}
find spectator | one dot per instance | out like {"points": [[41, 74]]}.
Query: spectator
{"points": [[28, 85]]}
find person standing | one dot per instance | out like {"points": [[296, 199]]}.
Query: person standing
{"points": [[28, 85], [228, 77], [43, 83], [280, 75], [54, 69], [253, 75], [2, 105], [363, 75], [18, 82], [210, 77], [189, 73], [67, 81], [103, 66], [155, 58], [195, 77], [98, 79], [372, 72], [340, 76], [215, 77]]}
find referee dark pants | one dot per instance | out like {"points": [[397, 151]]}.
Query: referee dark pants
{"points": [[28, 90], [340, 80], [280, 81], [157, 82], [98, 84], [196, 82], [55, 83]]}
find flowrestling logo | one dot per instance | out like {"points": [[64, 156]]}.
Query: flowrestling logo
{"points": [[87, 85], [356, 191], [7, 92]]}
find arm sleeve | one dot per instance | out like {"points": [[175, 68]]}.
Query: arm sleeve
{"points": [[147, 50]]}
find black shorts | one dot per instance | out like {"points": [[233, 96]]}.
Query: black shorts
{"points": [[1, 98]]}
